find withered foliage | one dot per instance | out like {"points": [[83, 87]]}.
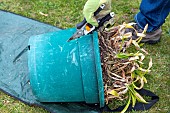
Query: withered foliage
{"points": [[122, 71]]}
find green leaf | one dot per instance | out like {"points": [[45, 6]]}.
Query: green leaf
{"points": [[140, 98], [137, 95], [114, 93], [124, 55], [134, 74], [144, 79], [133, 99], [139, 73], [127, 105], [141, 84], [141, 44]]}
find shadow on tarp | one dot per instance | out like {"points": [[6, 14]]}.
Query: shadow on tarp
{"points": [[15, 31]]}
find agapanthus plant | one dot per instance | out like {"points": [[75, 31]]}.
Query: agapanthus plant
{"points": [[123, 70]]}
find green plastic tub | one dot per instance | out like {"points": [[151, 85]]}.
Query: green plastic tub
{"points": [[62, 71]]}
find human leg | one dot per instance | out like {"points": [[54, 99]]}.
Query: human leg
{"points": [[153, 13]]}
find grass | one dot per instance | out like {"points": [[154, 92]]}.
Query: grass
{"points": [[65, 14]]}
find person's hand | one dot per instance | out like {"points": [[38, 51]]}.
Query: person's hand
{"points": [[91, 6]]}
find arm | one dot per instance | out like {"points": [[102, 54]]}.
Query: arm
{"points": [[91, 6]]}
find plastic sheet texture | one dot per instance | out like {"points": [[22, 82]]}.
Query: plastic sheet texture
{"points": [[15, 32]]}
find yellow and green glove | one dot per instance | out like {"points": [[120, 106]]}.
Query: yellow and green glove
{"points": [[91, 6]]}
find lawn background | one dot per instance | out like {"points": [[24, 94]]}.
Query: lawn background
{"points": [[65, 14]]}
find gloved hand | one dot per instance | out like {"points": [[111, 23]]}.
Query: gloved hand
{"points": [[91, 6]]}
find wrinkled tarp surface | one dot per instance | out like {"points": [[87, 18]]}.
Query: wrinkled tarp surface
{"points": [[15, 31]]}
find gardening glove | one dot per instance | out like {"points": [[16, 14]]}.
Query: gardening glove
{"points": [[91, 6]]}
